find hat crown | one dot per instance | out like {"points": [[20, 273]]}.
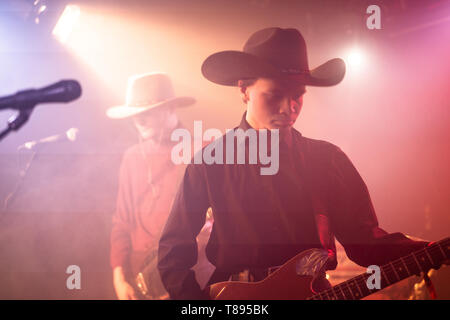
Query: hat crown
{"points": [[147, 89], [285, 49]]}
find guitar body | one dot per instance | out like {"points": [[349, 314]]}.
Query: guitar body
{"points": [[293, 281], [145, 276]]}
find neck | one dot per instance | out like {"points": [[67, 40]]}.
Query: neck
{"points": [[157, 140], [415, 263], [286, 134]]}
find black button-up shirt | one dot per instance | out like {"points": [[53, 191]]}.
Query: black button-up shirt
{"points": [[264, 220]]}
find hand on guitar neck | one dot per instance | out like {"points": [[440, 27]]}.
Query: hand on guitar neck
{"points": [[294, 280]]}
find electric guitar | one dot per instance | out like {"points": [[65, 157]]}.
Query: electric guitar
{"points": [[294, 280], [147, 282]]}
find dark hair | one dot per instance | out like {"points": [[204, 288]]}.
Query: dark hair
{"points": [[248, 82]]}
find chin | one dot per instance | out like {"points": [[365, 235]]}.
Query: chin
{"points": [[281, 126], [147, 135]]}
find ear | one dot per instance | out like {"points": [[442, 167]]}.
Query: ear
{"points": [[171, 120], [243, 91]]}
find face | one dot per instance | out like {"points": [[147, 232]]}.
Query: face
{"points": [[152, 122], [273, 103]]}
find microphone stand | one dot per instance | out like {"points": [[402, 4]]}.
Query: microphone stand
{"points": [[17, 121], [22, 175]]}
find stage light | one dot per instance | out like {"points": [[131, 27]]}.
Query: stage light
{"points": [[39, 7], [66, 23], [355, 58], [42, 9]]}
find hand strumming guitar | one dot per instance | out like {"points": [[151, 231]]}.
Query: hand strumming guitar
{"points": [[124, 290]]}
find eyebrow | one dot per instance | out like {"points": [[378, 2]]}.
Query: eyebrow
{"points": [[281, 90], [274, 91]]}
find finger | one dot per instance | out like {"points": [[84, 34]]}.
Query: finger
{"points": [[132, 295]]}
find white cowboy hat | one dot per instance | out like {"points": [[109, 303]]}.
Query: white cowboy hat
{"points": [[145, 92]]}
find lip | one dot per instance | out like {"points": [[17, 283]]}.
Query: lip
{"points": [[283, 123]]}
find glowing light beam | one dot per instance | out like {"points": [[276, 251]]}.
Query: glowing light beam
{"points": [[66, 23]]}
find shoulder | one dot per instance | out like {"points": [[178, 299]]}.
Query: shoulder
{"points": [[137, 149], [326, 156], [130, 153], [131, 150], [138, 155], [198, 166], [317, 147]]}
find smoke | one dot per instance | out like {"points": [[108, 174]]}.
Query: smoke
{"points": [[391, 118]]}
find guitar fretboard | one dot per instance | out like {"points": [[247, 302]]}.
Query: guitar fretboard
{"points": [[413, 264]]}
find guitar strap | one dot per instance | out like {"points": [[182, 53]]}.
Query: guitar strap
{"points": [[312, 169], [430, 286], [428, 283]]}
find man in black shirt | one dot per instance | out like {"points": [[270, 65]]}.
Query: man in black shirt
{"points": [[261, 221]]}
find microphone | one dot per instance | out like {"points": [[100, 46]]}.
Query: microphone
{"points": [[69, 135], [62, 91]]}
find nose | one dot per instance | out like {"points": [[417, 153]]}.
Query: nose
{"points": [[289, 105]]}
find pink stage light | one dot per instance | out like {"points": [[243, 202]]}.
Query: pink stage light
{"points": [[355, 58]]}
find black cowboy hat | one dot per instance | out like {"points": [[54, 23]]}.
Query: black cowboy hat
{"points": [[271, 52]]}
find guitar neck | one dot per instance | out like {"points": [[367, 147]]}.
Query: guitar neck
{"points": [[412, 264]]}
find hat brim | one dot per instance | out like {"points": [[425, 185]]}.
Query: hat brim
{"points": [[124, 111], [227, 67]]}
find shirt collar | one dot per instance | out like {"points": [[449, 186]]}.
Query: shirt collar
{"points": [[245, 126]]}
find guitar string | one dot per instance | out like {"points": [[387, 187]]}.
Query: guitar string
{"points": [[392, 265], [361, 279], [395, 265]]}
